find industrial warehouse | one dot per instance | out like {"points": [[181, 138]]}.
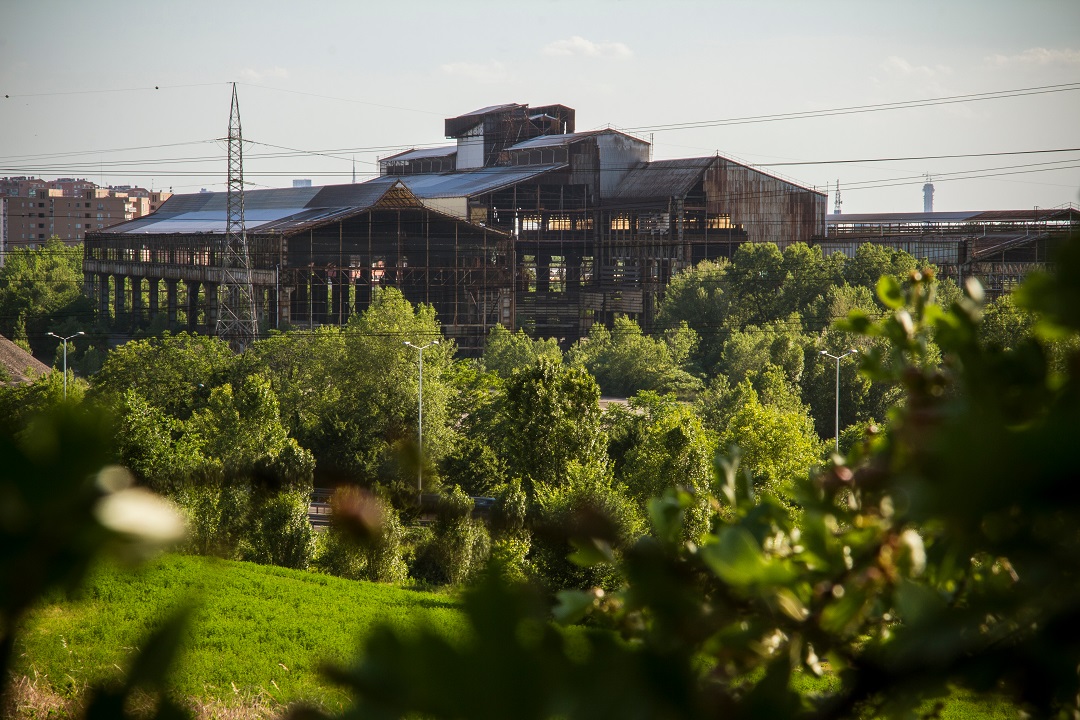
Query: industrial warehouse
{"points": [[522, 222]]}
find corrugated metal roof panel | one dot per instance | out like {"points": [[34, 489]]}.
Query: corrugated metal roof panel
{"points": [[420, 154], [566, 139], [553, 140], [277, 209], [491, 109], [661, 179], [465, 183]]}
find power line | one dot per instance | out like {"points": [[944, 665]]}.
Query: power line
{"points": [[109, 90], [913, 157], [859, 109]]}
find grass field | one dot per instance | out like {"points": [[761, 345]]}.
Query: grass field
{"points": [[256, 640], [258, 634]]}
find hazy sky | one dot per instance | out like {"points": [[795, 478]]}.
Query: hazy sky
{"points": [[348, 79]]}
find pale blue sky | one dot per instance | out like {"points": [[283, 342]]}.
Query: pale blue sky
{"points": [[390, 73]]}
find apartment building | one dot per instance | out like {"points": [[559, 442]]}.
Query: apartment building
{"points": [[32, 210]]}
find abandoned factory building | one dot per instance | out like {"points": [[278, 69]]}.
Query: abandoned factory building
{"points": [[522, 221]]}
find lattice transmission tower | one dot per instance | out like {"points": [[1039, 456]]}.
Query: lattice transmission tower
{"points": [[237, 322]]}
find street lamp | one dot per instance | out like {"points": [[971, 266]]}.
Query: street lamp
{"points": [[420, 418], [838, 358], [65, 339]]}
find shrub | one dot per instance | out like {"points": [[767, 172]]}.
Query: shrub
{"points": [[216, 518], [281, 533], [589, 517], [459, 545], [365, 540]]}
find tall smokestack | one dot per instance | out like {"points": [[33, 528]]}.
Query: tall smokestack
{"points": [[928, 196]]}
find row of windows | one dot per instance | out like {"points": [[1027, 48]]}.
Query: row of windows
{"points": [[100, 206]]}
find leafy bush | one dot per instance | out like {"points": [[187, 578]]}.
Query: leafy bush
{"points": [[365, 540], [459, 544], [281, 533], [588, 517]]}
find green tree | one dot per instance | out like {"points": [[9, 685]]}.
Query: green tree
{"points": [[242, 435], [22, 402], [550, 418], [661, 444], [507, 351], [777, 443], [699, 296], [872, 261], [589, 516], [174, 372], [1005, 324], [39, 290], [624, 360], [376, 420], [780, 343], [306, 372]]}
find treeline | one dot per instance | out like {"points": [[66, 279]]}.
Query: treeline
{"points": [[239, 440]]}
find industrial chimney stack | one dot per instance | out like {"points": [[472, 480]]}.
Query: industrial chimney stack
{"points": [[928, 196]]}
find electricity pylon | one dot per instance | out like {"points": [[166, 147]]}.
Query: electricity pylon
{"points": [[237, 322]]}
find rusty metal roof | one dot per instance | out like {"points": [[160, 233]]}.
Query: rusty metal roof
{"points": [[661, 179]]}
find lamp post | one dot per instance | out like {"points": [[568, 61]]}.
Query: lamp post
{"points": [[838, 358], [65, 339], [420, 419]]}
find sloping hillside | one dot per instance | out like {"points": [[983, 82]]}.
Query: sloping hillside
{"points": [[20, 365]]}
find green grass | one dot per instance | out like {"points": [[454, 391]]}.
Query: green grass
{"points": [[260, 634], [256, 632]]}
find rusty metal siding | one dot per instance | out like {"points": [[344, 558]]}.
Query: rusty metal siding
{"points": [[618, 153], [767, 208]]}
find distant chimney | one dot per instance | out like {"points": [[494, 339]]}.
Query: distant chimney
{"points": [[928, 196]]}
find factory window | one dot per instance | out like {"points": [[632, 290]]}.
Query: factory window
{"points": [[530, 222], [557, 273], [559, 222], [583, 223], [586, 269], [620, 222], [718, 222], [528, 273]]}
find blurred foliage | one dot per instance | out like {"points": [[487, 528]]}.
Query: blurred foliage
{"points": [[62, 506]]}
